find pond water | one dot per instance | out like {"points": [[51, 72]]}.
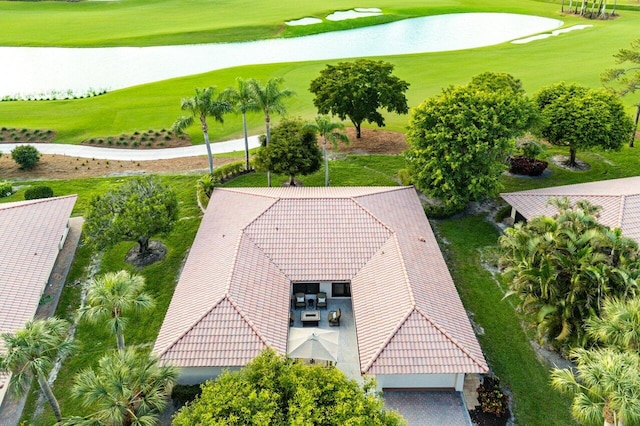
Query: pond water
{"points": [[33, 70]]}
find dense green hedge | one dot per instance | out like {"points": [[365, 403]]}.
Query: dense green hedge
{"points": [[39, 191]]}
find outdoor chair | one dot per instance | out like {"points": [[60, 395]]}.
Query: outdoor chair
{"points": [[334, 317], [321, 300], [299, 300]]}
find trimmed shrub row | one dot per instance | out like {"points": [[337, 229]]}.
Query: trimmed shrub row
{"points": [[36, 192]]}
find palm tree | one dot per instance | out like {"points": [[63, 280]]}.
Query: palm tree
{"points": [[330, 131], [243, 100], [31, 351], [562, 268], [127, 389], [269, 98], [111, 296], [606, 386], [204, 104], [618, 324]]}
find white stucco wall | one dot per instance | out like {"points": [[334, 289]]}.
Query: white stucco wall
{"points": [[195, 375], [417, 381]]}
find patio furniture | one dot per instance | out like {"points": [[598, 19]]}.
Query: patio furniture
{"points": [[334, 317], [321, 300], [310, 318], [299, 301]]}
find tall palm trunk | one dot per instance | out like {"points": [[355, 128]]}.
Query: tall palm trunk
{"points": [[205, 132], [635, 130], [267, 121], [120, 340], [246, 141], [48, 393], [326, 162]]}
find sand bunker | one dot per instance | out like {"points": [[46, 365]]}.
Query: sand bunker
{"points": [[358, 12], [303, 21], [552, 34]]}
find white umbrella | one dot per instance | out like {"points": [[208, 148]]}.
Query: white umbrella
{"points": [[313, 343]]}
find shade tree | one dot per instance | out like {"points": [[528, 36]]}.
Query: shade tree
{"points": [[274, 390], [358, 90], [460, 138], [293, 150], [581, 118], [135, 211]]}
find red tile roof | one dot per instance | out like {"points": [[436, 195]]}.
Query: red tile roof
{"points": [[233, 297], [30, 233], [619, 199]]}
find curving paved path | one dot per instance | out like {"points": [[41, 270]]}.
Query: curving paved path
{"points": [[84, 151]]}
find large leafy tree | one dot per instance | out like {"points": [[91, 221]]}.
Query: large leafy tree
{"points": [[31, 352], [582, 118], [243, 101], [135, 211], [460, 138], [111, 296], [273, 390], [206, 103], [357, 90], [330, 131], [562, 268], [126, 389], [605, 386], [626, 78], [269, 98], [293, 150]]}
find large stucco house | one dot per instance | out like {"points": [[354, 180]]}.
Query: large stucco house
{"points": [[619, 199], [371, 247], [32, 233]]}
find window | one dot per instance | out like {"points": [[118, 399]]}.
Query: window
{"points": [[341, 289], [306, 288]]}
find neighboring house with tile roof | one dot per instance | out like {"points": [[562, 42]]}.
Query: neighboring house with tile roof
{"points": [[233, 298], [619, 199], [31, 235]]}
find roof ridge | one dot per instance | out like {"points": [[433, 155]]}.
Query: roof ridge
{"points": [[239, 191], [623, 200], [24, 203], [247, 320], [373, 216], [542, 194], [382, 347], [451, 339], [198, 321], [404, 270]]}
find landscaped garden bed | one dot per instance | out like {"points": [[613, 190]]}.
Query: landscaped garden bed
{"points": [[15, 135], [148, 139]]}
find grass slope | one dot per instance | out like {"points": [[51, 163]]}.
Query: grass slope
{"points": [[504, 343], [157, 22], [578, 56]]}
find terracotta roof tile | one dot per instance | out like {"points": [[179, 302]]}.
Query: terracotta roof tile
{"points": [[619, 199], [248, 251], [30, 233]]}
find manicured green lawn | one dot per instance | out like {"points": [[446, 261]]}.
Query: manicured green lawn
{"points": [[144, 23], [95, 340], [504, 343], [578, 56]]}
